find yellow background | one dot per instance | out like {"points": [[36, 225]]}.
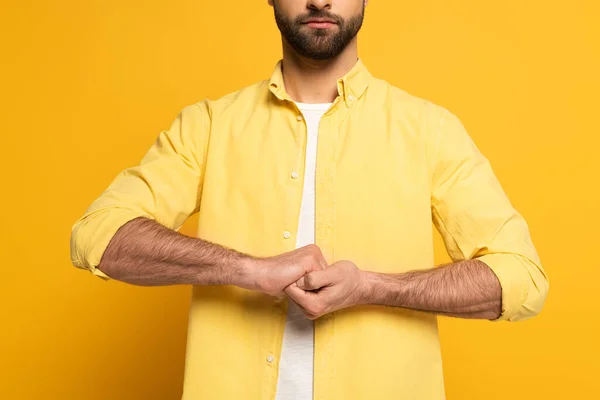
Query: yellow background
{"points": [[87, 85]]}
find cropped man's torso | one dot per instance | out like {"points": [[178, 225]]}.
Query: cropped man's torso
{"points": [[386, 166], [372, 206]]}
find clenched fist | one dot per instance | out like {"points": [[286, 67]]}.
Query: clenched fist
{"points": [[271, 275], [341, 285]]}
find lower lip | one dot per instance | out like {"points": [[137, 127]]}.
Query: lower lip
{"points": [[320, 25]]}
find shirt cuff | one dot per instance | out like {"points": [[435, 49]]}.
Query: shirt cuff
{"points": [[91, 235], [514, 280]]}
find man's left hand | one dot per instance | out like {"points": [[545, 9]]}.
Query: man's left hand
{"points": [[340, 285]]}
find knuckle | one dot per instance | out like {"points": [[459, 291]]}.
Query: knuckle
{"points": [[315, 251], [315, 309], [319, 252], [310, 314], [316, 259], [313, 247]]}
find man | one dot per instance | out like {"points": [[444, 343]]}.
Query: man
{"points": [[316, 190]]}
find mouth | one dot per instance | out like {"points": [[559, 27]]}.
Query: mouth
{"points": [[320, 23]]}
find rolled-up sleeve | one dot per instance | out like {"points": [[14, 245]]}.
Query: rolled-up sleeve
{"points": [[166, 187], [476, 219]]}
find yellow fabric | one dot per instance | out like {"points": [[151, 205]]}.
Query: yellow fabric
{"points": [[388, 164]]}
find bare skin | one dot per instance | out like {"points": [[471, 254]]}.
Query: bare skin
{"points": [[143, 252], [315, 81], [466, 289]]}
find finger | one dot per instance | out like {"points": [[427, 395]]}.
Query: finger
{"points": [[315, 280], [306, 301], [297, 295], [291, 301]]}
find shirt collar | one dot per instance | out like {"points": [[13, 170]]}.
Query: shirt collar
{"points": [[350, 86]]}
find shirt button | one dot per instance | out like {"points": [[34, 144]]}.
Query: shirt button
{"points": [[299, 117], [350, 97], [294, 175], [286, 234], [270, 358]]}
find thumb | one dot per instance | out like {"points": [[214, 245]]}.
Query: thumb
{"points": [[314, 280]]}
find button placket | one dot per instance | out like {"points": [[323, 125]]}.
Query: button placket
{"points": [[294, 191], [325, 239]]}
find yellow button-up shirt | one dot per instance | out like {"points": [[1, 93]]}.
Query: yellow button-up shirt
{"points": [[388, 164]]}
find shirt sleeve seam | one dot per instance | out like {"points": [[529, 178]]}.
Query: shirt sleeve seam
{"points": [[448, 231], [437, 139], [205, 146]]}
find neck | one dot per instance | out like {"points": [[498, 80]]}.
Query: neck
{"points": [[315, 81]]}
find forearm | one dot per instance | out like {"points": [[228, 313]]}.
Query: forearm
{"points": [[143, 252], [467, 289]]}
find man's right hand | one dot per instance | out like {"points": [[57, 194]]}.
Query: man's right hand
{"points": [[271, 275], [144, 252]]}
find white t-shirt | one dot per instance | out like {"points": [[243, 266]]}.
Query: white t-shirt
{"points": [[297, 350]]}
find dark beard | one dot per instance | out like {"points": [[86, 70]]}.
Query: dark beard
{"points": [[318, 44]]}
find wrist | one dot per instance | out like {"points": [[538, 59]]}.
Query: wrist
{"points": [[383, 289], [367, 287], [244, 272]]}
